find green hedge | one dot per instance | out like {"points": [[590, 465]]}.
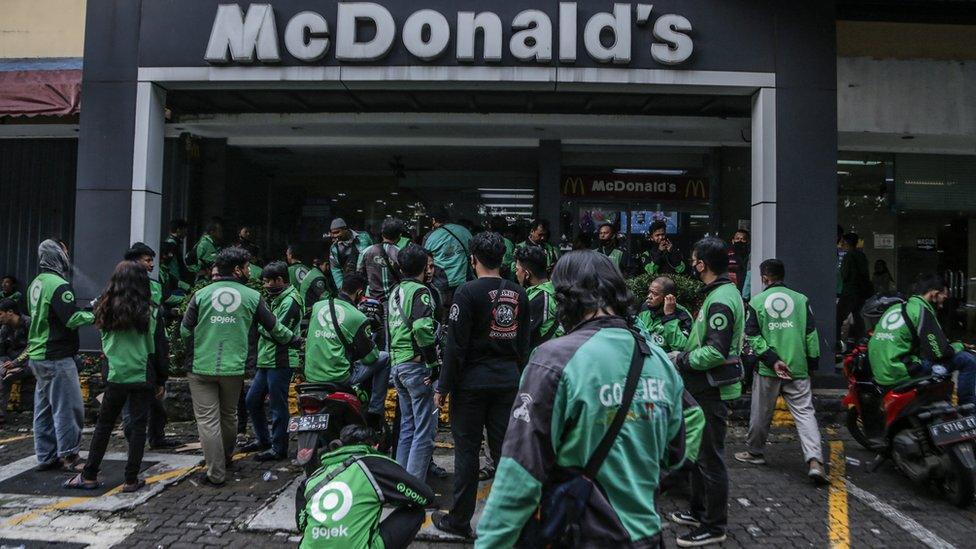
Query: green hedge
{"points": [[688, 289]]}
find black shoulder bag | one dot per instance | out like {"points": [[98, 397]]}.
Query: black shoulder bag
{"points": [[338, 330], [557, 522]]}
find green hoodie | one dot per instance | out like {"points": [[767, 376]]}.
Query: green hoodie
{"points": [[288, 309], [896, 354], [326, 360], [669, 331], [221, 328], [411, 324], [137, 357], [562, 411], [204, 254], [716, 335], [340, 505], [780, 326], [55, 318]]}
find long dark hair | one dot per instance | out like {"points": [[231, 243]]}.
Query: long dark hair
{"points": [[586, 282], [125, 303]]}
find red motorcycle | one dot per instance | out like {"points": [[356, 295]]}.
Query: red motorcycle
{"points": [[916, 425], [324, 408]]}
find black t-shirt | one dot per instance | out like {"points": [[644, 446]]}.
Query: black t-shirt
{"points": [[486, 346]]}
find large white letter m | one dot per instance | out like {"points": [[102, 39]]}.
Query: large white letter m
{"points": [[235, 37]]}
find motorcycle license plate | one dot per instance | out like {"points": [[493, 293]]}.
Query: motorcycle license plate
{"points": [[317, 422], [953, 431]]}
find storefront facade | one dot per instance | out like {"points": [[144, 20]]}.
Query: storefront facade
{"points": [[647, 99]]}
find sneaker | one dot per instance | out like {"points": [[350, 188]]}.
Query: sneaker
{"points": [[749, 457], [442, 521], [254, 446], [205, 480], [701, 536], [817, 474], [268, 455], [686, 519], [437, 471]]}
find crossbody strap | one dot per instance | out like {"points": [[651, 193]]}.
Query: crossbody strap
{"points": [[332, 475], [338, 330], [603, 449], [910, 324], [389, 264], [463, 247]]}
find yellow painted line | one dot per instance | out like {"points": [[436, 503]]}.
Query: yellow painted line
{"points": [[838, 529], [14, 439], [781, 414]]}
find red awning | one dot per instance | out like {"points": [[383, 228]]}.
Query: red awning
{"points": [[40, 93]]}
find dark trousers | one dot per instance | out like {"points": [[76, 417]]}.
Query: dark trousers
{"points": [[242, 412], [273, 384], [847, 305], [710, 480], [113, 400], [399, 529], [156, 429], [472, 413]]}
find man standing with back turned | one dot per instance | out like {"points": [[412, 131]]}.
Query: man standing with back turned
{"points": [[781, 330]]}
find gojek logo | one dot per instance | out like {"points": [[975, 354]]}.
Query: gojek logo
{"points": [[779, 305], [35, 293], [325, 321], [718, 321], [893, 320], [225, 300], [332, 503]]}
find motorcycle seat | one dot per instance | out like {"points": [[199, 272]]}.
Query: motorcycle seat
{"points": [[324, 387]]}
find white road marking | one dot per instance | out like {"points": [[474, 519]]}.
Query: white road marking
{"points": [[903, 521]]}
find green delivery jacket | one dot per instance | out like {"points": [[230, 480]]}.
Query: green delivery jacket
{"points": [[326, 360], [344, 256], [716, 335], [296, 273], [780, 326], [315, 286], [896, 354], [340, 505], [542, 314], [287, 307], [670, 332], [55, 318], [137, 358], [221, 328], [411, 324], [204, 254], [449, 246], [562, 411]]}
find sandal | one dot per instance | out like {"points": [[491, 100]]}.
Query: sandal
{"points": [[78, 483], [134, 487]]}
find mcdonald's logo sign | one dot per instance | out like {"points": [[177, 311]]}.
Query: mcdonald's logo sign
{"points": [[574, 186], [638, 186], [696, 189]]}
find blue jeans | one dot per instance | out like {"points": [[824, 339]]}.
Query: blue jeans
{"points": [[418, 418], [272, 383], [58, 409], [965, 364], [379, 371]]}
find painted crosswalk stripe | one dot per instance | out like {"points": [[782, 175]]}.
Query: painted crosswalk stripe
{"points": [[838, 529], [903, 521]]}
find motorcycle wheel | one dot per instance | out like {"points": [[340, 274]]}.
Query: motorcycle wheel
{"points": [[855, 425], [958, 484]]}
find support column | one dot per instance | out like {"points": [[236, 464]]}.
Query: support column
{"points": [[147, 165], [550, 172], [763, 182]]}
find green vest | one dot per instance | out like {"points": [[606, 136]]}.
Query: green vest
{"points": [[783, 330], [404, 342], [615, 255], [129, 352], [314, 277], [55, 318], [722, 315], [288, 309], [296, 273], [326, 359], [225, 327]]}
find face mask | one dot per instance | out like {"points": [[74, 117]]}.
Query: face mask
{"points": [[276, 291], [740, 248]]}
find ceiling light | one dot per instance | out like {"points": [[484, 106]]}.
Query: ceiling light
{"points": [[859, 162], [641, 171]]}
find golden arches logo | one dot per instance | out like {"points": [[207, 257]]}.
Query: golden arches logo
{"points": [[696, 189], [574, 186]]}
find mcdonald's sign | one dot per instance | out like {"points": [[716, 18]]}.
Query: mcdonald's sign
{"points": [[656, 187]]}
